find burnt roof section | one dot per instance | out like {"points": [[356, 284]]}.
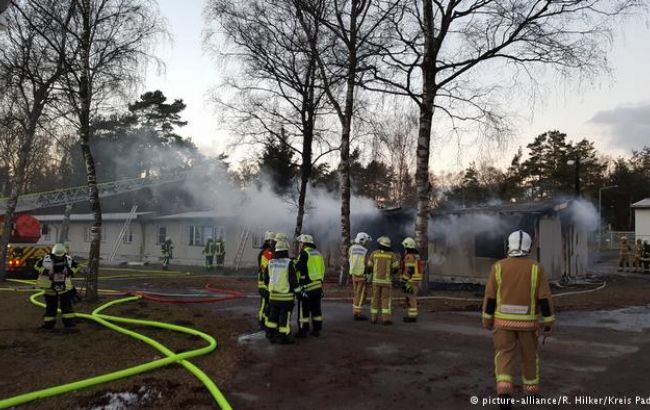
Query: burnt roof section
{"points": [[546, 207]]}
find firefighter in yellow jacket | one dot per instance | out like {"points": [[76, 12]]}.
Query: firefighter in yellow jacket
{"points": [[625, 255], [55, 272], [283, 284], [517, 293], [384, 263], [310, 268], [358, 257], [411, 278]]}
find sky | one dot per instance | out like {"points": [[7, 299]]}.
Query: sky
{"points": [[613, 111]]}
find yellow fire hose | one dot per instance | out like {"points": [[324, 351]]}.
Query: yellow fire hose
{"points": [[106, 320]]}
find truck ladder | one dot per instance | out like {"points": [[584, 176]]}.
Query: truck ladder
{"points": [[245, 233]]}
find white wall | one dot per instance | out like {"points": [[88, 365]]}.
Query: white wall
{"points": [[642, 223], [550, 247]]}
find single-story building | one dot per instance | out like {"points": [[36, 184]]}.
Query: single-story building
{"points": [[141, 242], [642, 219], [466, 242]]}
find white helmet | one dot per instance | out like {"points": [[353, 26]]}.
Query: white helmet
{"points": [[519, 243], [58, 250], [168, 239], [281, 245], [304, 238], [269, 236], [384, 241], [281, 236], [362, 238]]}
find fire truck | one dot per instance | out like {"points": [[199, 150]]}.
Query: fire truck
{"points": [[24, 249]]}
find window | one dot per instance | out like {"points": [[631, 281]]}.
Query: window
{"points": [[128, 236], [196, 235], [257, 241], [199, 235], [162, 234], [46, 232]]}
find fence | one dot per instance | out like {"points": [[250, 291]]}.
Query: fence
{"points": [[612, 239]]}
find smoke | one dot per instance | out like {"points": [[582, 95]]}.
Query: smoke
{"points": [[584, 215]]}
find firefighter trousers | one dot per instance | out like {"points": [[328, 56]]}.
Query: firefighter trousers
{"points": [[624, 262], [209, 262], [279, 320], [380, 300], [52, 303], [263, 312], [509, 347], [359, 287], [309, 310], [412, 300]]}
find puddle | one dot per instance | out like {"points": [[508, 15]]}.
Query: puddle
{"points": [[633, 319]]}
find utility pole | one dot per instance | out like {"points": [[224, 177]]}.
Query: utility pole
{"points": [[600, 213]]}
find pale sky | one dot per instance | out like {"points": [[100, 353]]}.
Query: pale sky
{"points": [[614, 112]]}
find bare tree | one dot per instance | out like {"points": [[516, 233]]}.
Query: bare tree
{"points": [[32, 56], [279, 92], [353, 29], [113, 39], [451, 56]]}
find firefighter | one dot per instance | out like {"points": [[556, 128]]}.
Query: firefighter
{"points": [[645, 257], [638, 253], [209, 251], [220, 252], [384, 264], [263, 259], [411, 278], [282, 285], [517, 292], [310, 268], [55, 272], [167, 249], [358, 256], [625, 252]]}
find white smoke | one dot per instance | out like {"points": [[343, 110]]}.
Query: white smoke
{"points": [[584, 215]]}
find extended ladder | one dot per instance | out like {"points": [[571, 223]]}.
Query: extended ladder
{"points": [[123, 231], [243, 239]]}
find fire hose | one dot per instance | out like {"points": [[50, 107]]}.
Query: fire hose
{"points": [[107, 321]]}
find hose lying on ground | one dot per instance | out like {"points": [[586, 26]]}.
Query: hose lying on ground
{"points": [[106, 320]]}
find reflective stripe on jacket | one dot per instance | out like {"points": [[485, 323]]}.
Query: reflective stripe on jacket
{"points": [[412, 267], [280, 287], [383, 264], [55, 277], [357, 257]]}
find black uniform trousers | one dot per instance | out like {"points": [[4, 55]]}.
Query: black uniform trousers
{"points": [[279, 317], [309, 310], [52, 303]]}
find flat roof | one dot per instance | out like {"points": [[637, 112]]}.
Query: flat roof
{"points": [[109, 216]]}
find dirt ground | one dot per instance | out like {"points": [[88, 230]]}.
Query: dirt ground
{"points": [[57, 357], [353, 366]]}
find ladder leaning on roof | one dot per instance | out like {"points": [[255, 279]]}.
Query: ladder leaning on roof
{"points": [[123, 231], [243, 239]]}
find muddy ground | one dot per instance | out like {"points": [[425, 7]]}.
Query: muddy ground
{"points": [[439, 362]]}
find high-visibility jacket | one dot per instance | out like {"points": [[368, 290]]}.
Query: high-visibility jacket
{"points": [[210, 249], [55, 274], [517, 292], [219, 248], [282, 280], [357, 255], [412, 267], [263, 260], [310, 268], [384, 264]]}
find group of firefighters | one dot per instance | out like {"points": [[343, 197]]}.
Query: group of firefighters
{"points": [[634, 258], [214, 252], [517, 295]]}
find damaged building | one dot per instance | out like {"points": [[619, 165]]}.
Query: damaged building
{"points": [[464, 243]]}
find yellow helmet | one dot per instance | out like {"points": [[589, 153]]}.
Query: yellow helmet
{"points": [[269, 236], [281, 245], [384, 241], [58, 250], [408, 243]]}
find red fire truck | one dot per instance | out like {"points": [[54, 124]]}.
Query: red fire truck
{"points": [[23, 248]]}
